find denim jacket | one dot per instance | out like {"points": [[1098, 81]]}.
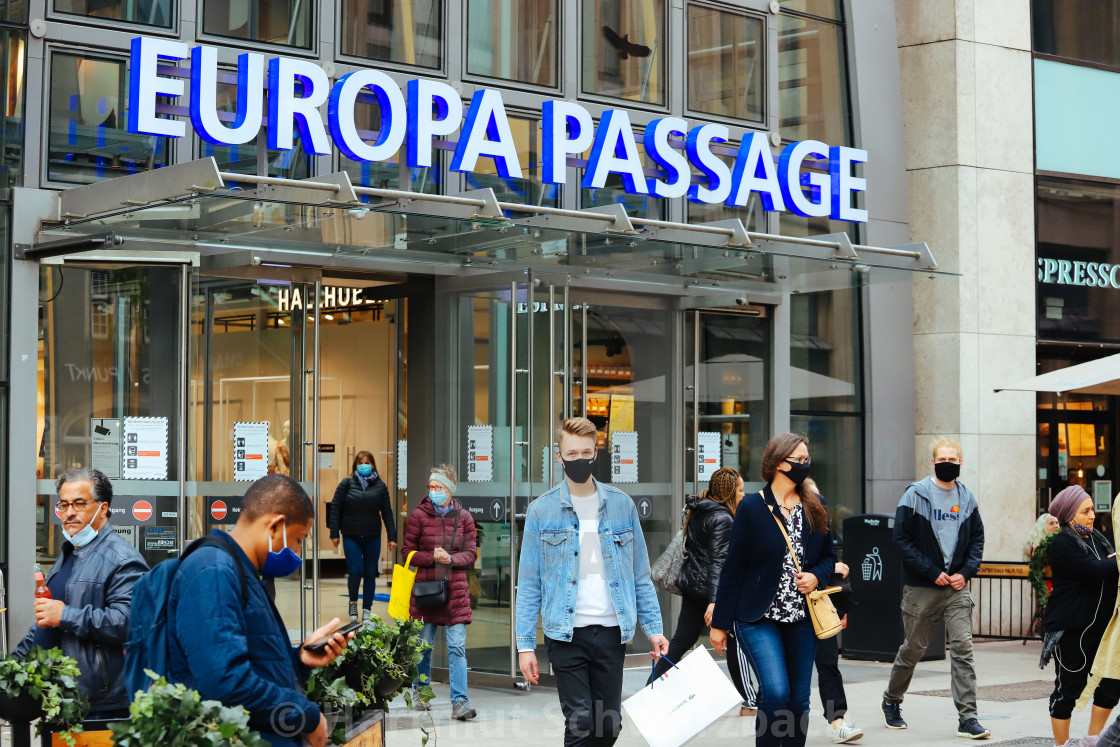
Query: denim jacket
{"points": [[547, 576]]}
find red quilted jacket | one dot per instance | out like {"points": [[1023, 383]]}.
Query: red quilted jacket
{"points": [[426, 530]]}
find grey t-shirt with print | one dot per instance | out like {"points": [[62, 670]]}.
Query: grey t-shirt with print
{"points": [[946, 518]]}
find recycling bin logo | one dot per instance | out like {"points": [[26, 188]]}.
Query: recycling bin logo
{"points": [[872, 566]]}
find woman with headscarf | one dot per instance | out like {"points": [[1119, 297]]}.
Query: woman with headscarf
{"points": [[1043, 528], [1084, 573]]}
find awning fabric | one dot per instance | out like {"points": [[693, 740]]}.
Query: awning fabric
{"points": [[1101, 376]]}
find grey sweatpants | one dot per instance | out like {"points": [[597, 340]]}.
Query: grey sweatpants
{"points": [[1110, 737], [922, 608]]}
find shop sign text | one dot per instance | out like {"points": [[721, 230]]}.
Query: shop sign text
{"points": [[1084, 274]]}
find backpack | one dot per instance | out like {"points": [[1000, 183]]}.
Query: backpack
{"points": [[148, 645]]}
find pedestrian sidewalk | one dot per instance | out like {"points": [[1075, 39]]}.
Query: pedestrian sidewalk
{"points": [[1013, 705]]}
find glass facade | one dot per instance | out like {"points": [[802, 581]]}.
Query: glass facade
{"points": [[813, 102], [408, 32], [13, 47], [1078, 30], [158, 13], [529, 189], [516, 42], [643, 206], [286, 22], [624, 49], [726, 70]]}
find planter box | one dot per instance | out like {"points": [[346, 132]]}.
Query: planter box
{"points": [[369, 731]]}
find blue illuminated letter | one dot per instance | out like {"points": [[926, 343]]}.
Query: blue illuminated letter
{"points": [[486, 133], [844, 183], [656, 141], [615, 137], [754, 172], [390, 100], [286, 110], [423, 124], [145, 85], [204, 93], [567, 129], [698, 146], [793, 182]]}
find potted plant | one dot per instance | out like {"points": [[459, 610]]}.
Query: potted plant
{"points": [[376, 666], [173, 716], [43, 685]]}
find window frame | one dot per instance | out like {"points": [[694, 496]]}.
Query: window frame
{"points": [[764, 80], [388, 65], [615, 102], [484, 81], [93, 22], [251, 45]]}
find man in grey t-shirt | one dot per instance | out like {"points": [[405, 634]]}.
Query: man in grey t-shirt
{"points": [[938, 528]]}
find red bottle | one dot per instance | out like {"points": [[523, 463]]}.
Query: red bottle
{"points": [[41, 590]]}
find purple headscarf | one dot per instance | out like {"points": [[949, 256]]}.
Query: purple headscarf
{"points": [[1065, 504]]}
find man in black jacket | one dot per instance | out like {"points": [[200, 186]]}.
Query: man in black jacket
{"points": [[939, 530]]}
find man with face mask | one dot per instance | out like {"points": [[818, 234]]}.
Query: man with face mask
{"points": [[938, 527], [91, 589], [237, 650], [585, 572]]}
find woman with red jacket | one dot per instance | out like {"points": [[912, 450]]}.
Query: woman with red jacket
{"points": [[442, 533]]}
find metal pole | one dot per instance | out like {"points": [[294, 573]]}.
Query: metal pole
{"points": [[695, 401], [315, 379], [583, 362], [567, 353], [512, 513], [184, 382], [549, 464], [530, 337]]}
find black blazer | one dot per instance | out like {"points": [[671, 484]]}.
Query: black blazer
{"points": [[749, 581]]}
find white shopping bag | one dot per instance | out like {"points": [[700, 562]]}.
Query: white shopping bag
{"points": [[683, 702]]}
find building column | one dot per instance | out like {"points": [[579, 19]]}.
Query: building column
{"points": [[968, 111]]}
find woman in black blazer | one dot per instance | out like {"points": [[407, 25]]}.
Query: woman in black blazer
{"points": [[762, 595]]}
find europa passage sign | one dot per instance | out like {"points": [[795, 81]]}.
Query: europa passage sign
{"points": [[809, 178]]}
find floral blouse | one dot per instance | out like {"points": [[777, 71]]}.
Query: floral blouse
{"points": [[789, 603]]}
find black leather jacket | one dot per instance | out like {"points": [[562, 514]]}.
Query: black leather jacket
{"points": [[709, 531], [359, 513], [95, 620]]}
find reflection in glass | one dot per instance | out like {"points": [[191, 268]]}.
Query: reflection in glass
{"points": [[13, 11], [89, 140], [513, 41], [159, 13], [725, 70], [792, 224], [240, 159], [1077, 29], [825, 351], [529, 190], [404, 31], [821, 8], [812, 81], [13, 50], [836, 445], [386, 174], [638, 205], [286, 22], [751, 214], [624, 49]]}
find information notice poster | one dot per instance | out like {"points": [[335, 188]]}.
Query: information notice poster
{"points": [[144, 449], [624, 456], [708, 452], [402, 464], [250, 451], [105, 446], [480, 453]]}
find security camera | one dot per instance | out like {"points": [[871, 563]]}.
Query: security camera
{"points": [[741, 301]]}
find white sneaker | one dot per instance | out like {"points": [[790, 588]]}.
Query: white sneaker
{"points": [[845, 733], [1089, 740]]}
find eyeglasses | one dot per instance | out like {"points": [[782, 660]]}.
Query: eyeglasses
{"points": [[63, 506], [799, 460], [436, 488]]}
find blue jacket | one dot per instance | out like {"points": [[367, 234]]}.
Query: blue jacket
{"points": [[94, 623], [237, 652], [549, 567], [922, 559], [749, 581]]}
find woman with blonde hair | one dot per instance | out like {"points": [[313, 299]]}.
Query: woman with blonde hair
{"points": [[1044, 527]]}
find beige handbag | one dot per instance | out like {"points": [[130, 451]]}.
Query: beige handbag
{"points": [[826, 620]]}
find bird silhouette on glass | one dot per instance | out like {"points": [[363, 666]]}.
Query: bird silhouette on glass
{"points": [[625, 47]]}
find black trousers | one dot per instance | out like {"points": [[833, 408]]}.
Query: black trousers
{"points": [[589, 682], [1073, 659], [830, 683], [690, 626]]}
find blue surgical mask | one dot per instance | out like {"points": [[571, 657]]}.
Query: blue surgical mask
{"points": [[439, 497], [86, 534], [282, 563], [365, 470]]}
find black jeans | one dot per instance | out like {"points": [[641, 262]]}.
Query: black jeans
{"points": [[830, 683], [690, 626], [1073, 658], [589, 682]]}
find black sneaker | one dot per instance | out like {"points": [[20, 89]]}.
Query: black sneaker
{"points": [[892, 713], [970, 728]]}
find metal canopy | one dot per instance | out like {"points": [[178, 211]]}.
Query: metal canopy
{"points": [[327, 222], [1101, 376]]}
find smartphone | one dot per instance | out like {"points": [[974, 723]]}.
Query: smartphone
{"points": [[345, 630]]}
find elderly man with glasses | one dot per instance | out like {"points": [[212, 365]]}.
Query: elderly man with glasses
{"points": [[91, 590]]}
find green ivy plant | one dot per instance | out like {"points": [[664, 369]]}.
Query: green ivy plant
{"points": [[1040, 561], [173, 716], [50, 677], [336, 695]]}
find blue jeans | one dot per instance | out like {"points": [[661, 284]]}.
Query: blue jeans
{"points": [[361, 562], [456, 654], [782, 656]]}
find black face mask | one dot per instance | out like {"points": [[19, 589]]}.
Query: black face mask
{"points": [[578, 470], [797, 472], [946, 471]]}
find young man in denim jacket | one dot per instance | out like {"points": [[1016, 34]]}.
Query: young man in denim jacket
{"points": [[585, 572]]}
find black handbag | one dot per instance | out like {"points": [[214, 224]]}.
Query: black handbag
{"points": [[437, 592]]}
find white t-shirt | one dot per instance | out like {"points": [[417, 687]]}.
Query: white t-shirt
{"points": [[593, 594]]}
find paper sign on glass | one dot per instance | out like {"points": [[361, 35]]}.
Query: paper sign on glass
{"points": [[624, 456], [250, 451], [105, 446], [144, 449], [709, 451], [480, 453]]}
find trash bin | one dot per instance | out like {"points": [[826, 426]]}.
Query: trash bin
{"points": [[874, 630]]}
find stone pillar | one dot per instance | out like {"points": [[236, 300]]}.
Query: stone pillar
{"points": [[968, 115]]}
